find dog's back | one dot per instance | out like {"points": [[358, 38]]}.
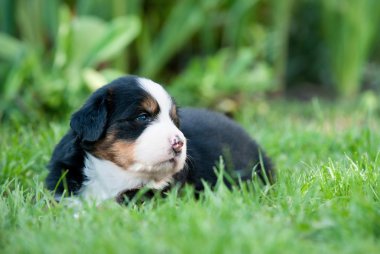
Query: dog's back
{"points": [[211, 135]]}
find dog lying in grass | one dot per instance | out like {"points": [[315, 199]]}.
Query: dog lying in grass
{"points": [[131, 135]]}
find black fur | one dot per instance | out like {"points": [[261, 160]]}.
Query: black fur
{"points": [[209, 135], [66, 165], [90, 121]]}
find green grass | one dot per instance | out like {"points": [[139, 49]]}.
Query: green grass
{"points": [[326, 199]]}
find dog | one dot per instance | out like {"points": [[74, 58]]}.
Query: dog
{"points": [[130, 134]]}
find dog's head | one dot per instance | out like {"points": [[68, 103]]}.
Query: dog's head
{"points": [[133, 123]]}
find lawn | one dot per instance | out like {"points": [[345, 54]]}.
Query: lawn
{"points": [[326, 199]]}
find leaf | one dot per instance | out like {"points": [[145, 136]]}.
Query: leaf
{"points": [[86, 34], [14, 80], [93, 79], [63, 39], [11, 48], [118, 35]]}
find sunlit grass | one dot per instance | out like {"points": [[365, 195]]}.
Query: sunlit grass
{"points": [[326, 199]]}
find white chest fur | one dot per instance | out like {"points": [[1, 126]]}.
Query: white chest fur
{"points": [[106, 180]]}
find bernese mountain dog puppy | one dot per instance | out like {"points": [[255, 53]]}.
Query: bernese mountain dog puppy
{"points": [[130, 135]]}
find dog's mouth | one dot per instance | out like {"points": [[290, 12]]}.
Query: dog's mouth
{"points": [[172, 160], [163, 167], [169, 163]]}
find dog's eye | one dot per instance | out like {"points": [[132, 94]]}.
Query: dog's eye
{"points": [[144, 117]]}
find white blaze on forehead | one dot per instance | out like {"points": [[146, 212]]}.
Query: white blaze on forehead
{"points": [[158, 92], [153, 147]]}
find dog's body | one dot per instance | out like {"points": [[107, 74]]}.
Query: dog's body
{"points": [[129, 135]]}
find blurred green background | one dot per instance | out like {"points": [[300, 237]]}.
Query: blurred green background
{"points": [[214, 53]]}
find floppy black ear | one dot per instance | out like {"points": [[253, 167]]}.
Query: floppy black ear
{"points": [[89, 122]]}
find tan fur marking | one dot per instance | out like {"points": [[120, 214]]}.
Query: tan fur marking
{"points": [[124, 153], [150, 105], [102, 147], [173, 111], [173, 114], [119, 152]]}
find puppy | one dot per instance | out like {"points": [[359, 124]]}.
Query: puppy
{"points": [[130, 135]]}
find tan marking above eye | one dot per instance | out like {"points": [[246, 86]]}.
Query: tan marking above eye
{"points": [[150, 105], [173, 113]]}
